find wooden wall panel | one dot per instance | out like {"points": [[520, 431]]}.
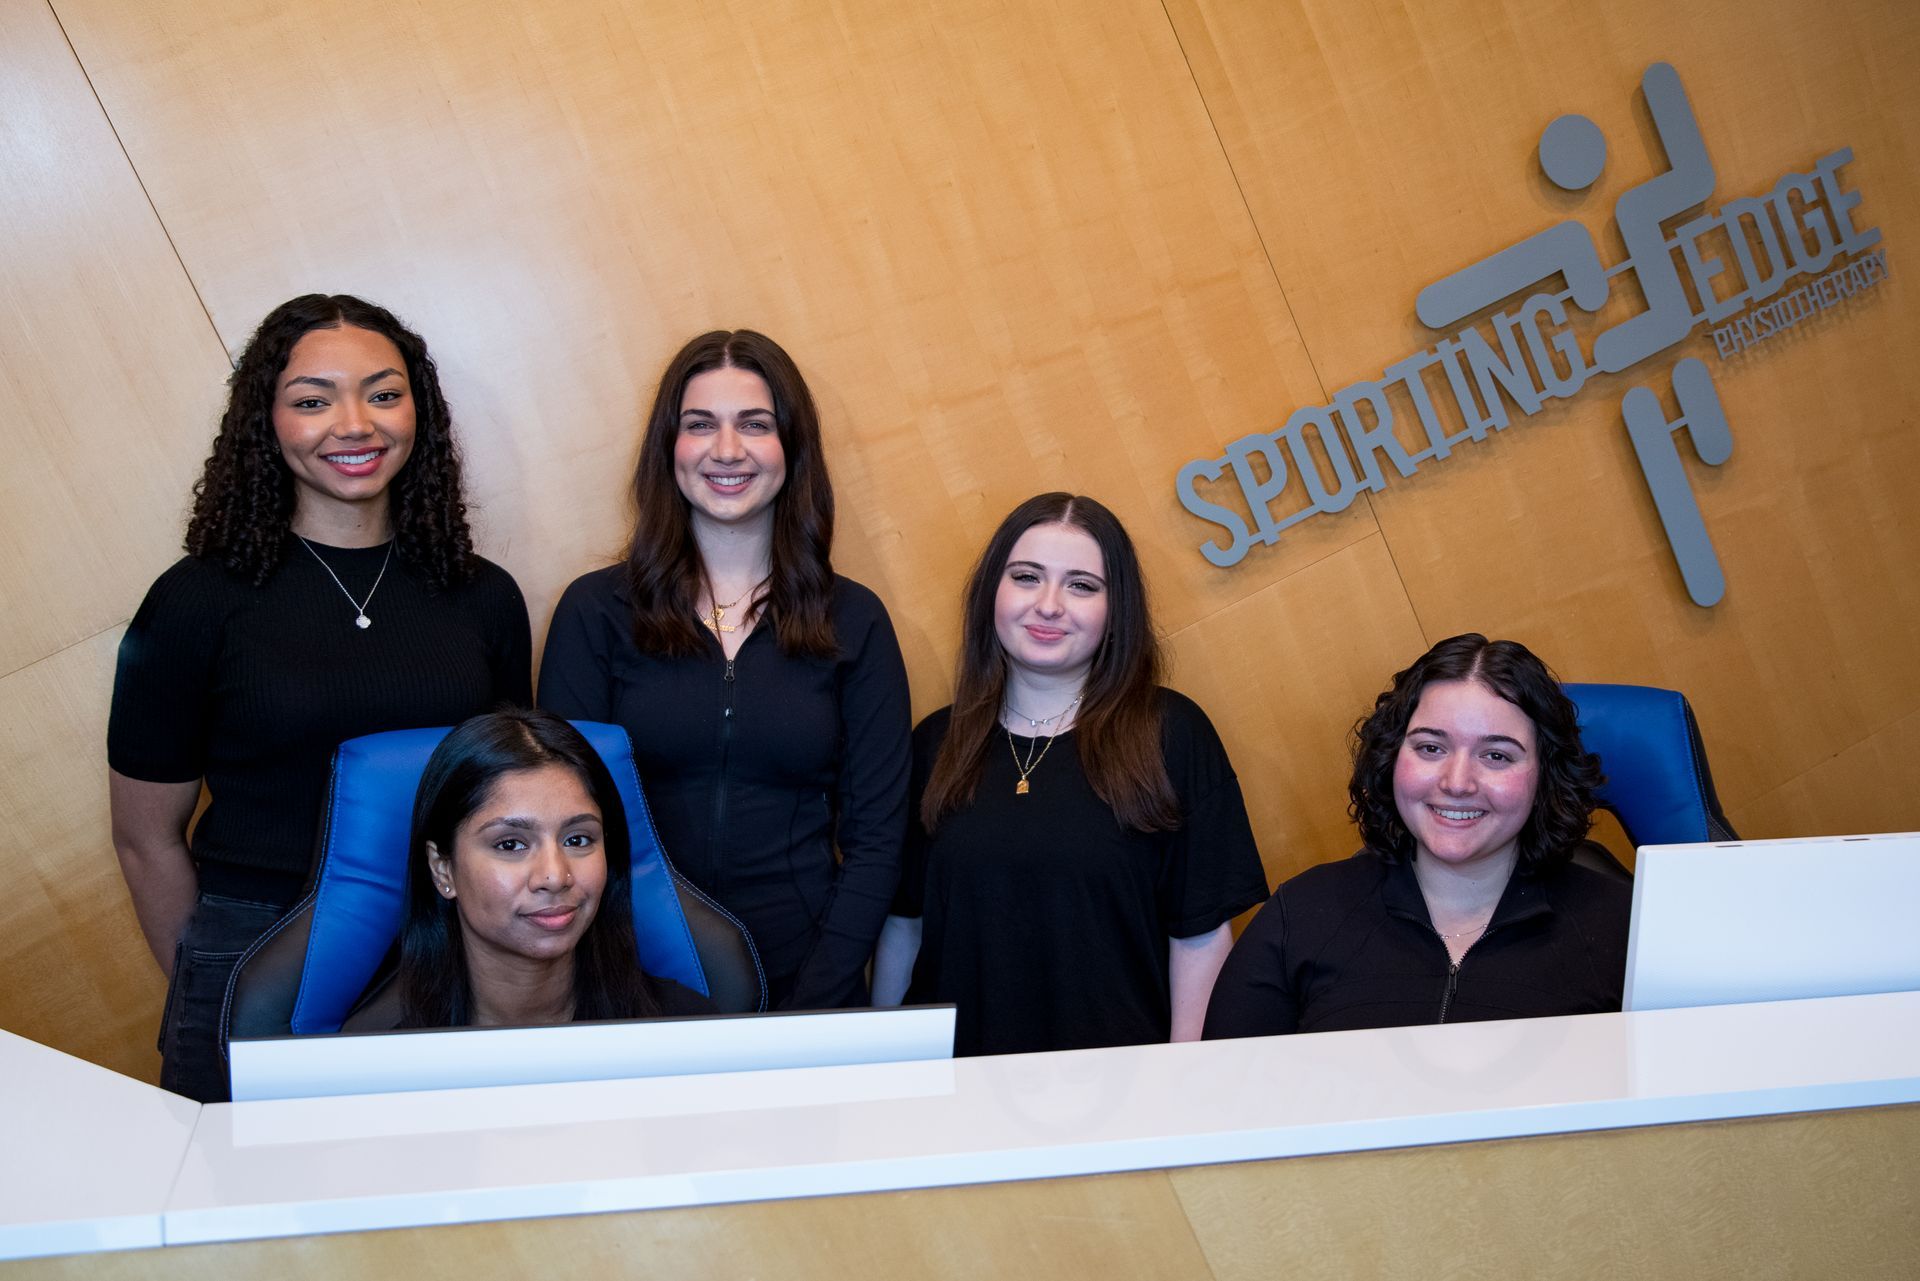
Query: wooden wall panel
{"points": [[1286, 672], [1853, 781], [1382, 147], [1001, 241], [1119, 1227], [1820, 1195], [77, 974], [109, 372], [110, 380]]}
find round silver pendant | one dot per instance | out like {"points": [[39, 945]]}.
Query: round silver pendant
{"points": [[363, 622]]}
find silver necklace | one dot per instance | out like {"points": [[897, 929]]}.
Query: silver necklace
{"points": [[359, 606], [1044, 720], [1463, 933]]}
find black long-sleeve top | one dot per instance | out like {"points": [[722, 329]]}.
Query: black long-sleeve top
{"points": [[1349, 945], [758, 769], [251, 688]]}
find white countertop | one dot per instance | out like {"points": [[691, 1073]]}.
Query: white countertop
{"points": [[355, 1162], [87, 1156]]}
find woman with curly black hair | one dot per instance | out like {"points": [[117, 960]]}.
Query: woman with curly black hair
{"points": [[330, 589], [1472, 792]]}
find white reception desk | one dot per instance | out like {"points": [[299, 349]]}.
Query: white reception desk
{"points": [[94, 1161]]}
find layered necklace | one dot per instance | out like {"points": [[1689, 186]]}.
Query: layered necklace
{"points": [[1036, 750], [714, 623], [360, 619]]}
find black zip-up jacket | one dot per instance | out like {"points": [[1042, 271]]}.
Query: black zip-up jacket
{"points": [[1350, 945], [757, 769]]}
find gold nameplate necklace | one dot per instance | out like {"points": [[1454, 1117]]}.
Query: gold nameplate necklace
{"points": [[1036, 751], [713, 621]]}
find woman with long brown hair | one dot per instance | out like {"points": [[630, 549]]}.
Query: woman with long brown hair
{"points": [[330, 589], [765, 695], [1079, 842]]}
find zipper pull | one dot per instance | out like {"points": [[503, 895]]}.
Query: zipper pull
{"points": [[729, 675]]}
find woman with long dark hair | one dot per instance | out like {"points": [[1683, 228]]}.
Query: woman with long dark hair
{"points": [[330, 589], [1080, 844], [1472, 793], [518, 907], [765, 695]]}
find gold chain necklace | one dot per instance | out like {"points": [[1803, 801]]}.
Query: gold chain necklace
{"points": [[1034, 758], [712, 621]]}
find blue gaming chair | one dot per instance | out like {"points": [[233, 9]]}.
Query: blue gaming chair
{"points": [[1658, 784], [308, 972]]}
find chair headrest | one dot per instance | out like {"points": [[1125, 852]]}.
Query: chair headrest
{"points": [[360, 879], [1658, 784]]}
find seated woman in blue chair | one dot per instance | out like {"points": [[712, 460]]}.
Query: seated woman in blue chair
{"points": [[518, 910], [1472, 793]]}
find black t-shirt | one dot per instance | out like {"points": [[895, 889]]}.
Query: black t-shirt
{"points": [[757, 770], [251, 688], [1349, 945], [1045, 920]]}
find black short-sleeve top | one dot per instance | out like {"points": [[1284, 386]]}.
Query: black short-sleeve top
{"points": [[1044, 919], [251, 689], [1349, 944]]}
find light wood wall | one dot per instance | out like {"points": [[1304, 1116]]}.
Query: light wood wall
{"points": [[1014, 247]]}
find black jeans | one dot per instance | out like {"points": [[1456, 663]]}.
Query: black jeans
{"points": [[193, 1061]]}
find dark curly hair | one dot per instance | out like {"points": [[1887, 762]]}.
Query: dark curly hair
{"points": [[1563, 804], [243, 502]]}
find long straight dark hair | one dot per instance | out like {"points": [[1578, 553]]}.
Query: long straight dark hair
{"points": [[1118, 726], [434, 985], [664, 570]]}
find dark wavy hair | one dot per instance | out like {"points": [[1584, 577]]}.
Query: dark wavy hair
{"points": [[434, 987], [1563, 802], [243, 502], [664, 570], [1118, 726]]}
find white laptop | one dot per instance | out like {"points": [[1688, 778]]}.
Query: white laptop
{"points": [[300, 1067], [1737, 921]]}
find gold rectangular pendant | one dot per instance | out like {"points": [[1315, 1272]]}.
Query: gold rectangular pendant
{"points": [[1020, 788]]}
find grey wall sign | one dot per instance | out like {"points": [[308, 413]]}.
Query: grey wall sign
{"points": [[1729, 268]]}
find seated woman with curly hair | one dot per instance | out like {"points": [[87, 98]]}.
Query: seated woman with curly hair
{"points": [[1472, 793]]}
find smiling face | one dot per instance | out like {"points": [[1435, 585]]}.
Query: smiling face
{"points": [[528, 869], [727, 457], [1050, 610], [1466, 775], [343, 415]]}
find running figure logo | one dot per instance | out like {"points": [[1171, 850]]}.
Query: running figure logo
{"points": [[1796, 230]]}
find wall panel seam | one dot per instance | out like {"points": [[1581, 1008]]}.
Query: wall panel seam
{"points": [[134, 169], [1754, 798], [1240, 188], [88, 639], [1288, 577]]}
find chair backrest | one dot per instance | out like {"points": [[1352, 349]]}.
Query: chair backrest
{"points": [[307, 973], [1658, 784]]}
